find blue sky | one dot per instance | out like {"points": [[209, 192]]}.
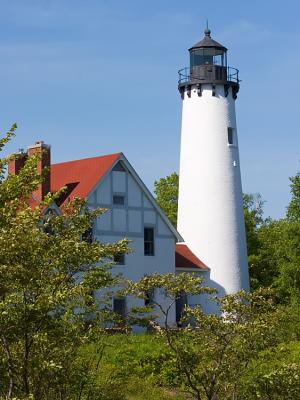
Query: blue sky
{"points": [[92, 77]]}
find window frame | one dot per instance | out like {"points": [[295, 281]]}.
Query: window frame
{"points": [[149, 243], [149, 300], [118, 195], [122, 261], [231, 137], [122, 312], [181, 302]]}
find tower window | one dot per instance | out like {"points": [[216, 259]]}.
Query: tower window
{"points": [[149, 241], [118, 200], [230, 132]]}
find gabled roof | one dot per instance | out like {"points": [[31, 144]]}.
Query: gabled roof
{"points": [[186, 259], [80, 176]]}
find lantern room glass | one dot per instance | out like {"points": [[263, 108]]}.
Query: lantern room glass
{"points": [[208, 56]]}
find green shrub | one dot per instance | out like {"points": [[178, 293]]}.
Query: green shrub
{"points": [[275, 374]]}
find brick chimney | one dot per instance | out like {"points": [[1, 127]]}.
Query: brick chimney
{"points": [[45, 161], [17, 163]]}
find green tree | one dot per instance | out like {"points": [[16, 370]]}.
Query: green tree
{"points": [[275, 256], [253, 214], [166, 192], [275, 374], [287, 249], [211, 353], [47, 278], [278, 259], [293, 210]]}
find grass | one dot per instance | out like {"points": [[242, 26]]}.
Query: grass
{"points": [[126, 368]]}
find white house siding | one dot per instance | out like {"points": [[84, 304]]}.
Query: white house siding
{"points": [[119, 181], [162, 227], [129, 221], [134, 221], [105, 222], [119, 220], [103, 192], [202, 300]]}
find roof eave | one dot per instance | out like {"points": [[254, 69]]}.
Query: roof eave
{"points": [[192, 269], [208, 47]]}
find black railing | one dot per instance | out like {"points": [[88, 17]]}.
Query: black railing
{"points": [[185, 75]]}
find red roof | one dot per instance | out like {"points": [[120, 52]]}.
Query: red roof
{"points": [[80, 176], [185, 258]]}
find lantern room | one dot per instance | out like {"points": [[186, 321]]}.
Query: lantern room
{"points": [[208, 52], [208, 64], [208, 60]]}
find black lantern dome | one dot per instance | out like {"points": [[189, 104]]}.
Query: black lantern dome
{"points": [[208, 64]]}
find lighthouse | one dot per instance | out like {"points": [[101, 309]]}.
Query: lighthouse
{"points": [[210, 204]]}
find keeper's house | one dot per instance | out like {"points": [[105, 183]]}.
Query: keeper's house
{"points": [[111, 182]]}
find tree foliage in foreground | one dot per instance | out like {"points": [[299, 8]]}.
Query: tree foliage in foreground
{"points": [[274, 375], [49, 316], [209, 357], [47, 278], [277, 263]]}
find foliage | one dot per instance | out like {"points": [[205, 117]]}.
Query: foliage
{"points": [[166, 191], [253, 214], [172, 286], [287, 252], [275, 374], [129, 361], [47, 278], [210, 355], [274, 249], [263, 262], [293, 210], [143, 366], [277, 259], [52, 345]]}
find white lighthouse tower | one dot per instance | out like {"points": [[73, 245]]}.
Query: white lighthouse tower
{"points": [[210, 209]]}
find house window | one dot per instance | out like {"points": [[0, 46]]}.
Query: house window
{"points": [[118, 200], [87, 236], [230, 132], [119, 306], [181, 303], [149, 241], [149, 297], [119, 258]]}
